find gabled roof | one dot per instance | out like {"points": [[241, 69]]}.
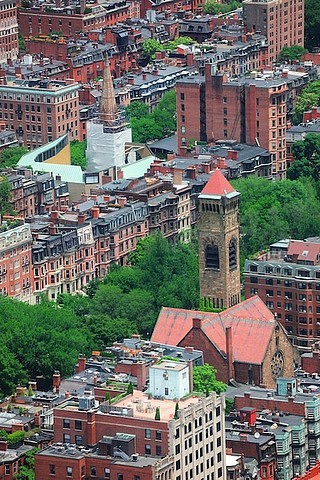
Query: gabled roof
{"points": [[218, 186], [251, 321]]}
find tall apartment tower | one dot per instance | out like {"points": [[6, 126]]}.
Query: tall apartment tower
{"points": [[281, 21], [9, 48], [218, 227]]}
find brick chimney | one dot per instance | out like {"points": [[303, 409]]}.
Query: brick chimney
{"points": [[191, 173], [197, 323], [121, 201], [229, 352], [81, 365], [56, 380], [3, 446], [54, 215], [95, 212], [232, 155], [81, 219], [177, 176]]}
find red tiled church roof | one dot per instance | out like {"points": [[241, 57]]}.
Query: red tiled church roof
{"points": [[251, 321], [217, 185]]}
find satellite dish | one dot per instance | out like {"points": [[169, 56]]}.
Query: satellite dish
{"points": [[257, 435]]}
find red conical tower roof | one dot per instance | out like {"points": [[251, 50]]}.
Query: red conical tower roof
{"points": [[218, 186]]}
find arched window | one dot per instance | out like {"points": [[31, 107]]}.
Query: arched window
{"points": [[212, 257], [232, 254]]}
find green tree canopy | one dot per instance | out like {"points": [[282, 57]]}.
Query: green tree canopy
{"points": [[311, 24], [306, 158], [214, 8], [292, 53], [9, 157], [155, 125], [78, 153], [293, 207], [309, 98], [5, 196], [205, 381]]}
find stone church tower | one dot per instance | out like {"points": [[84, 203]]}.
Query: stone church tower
{"points": [[218, 227]]}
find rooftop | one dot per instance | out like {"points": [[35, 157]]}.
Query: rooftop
{"points": [[144, 407]]}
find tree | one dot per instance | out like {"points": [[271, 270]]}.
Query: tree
{"points": [[136, 110], [292, 53], [214, 8], [130, 389], [204, 380], [157, 415], [312, 21], [309, 98], [78, 153], [306, 158], [22, 43], [150, 47], [9, 157], [172, 45], [176, 411], [5, 196]]}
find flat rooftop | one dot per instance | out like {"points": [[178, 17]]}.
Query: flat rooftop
{"points": [[144, 407]]}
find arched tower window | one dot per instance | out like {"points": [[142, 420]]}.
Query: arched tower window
{"points": [[232, 254], [212, 257]]}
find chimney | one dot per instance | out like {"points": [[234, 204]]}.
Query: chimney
{"points": [[191, 173], [229, 351], [81, 219], [144, 76], [81, 366], [33, 386], [54, 215], [106, 198], [119, 174], [121, 201], [190, 365], [142, 372], [206, 167], [56, 380], [131, 80], [95, 212], [3, 445], [197, 322], [232, 155], [177, 176], [284, 74], [52, 229]]}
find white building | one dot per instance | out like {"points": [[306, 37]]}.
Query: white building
{"points": [[169, 379]]}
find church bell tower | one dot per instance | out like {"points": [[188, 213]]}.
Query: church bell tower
{"points": [[218, 227]]}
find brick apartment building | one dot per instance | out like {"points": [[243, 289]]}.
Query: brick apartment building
{"points": [[287, 279], [9, 30], [249, 110], [280, 21], [16, 273], [40, 110], [114, 459], [72, 19], [196, 438]]}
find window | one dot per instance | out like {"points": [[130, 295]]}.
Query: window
{"points": [[158, 434], [232, 254], [107, 473], [69, 471], [7, 470], [93, 471], [158, 450], [78, 439], [212, 257], [66, 423], [52, 469], [66, 438], [120, 476], [147, 449], [147, 433], [78, 425]]}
